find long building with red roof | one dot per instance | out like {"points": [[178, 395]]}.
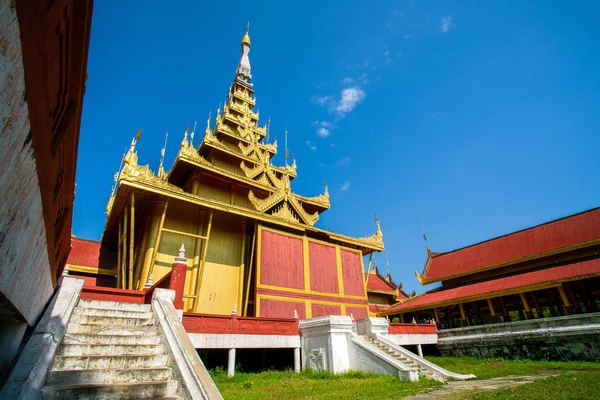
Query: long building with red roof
{"points": [[548, 270]]}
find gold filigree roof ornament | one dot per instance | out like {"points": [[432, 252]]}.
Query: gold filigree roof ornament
{"points": [[131, 156], [161, 170], [111, 198], [192, 135], [184, 142], [376, 238], [142, 173], [287, 202]]}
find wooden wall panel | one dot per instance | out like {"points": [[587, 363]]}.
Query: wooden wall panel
{"points": [[281, 260], [319, 310], [323, 268], [357, 312], [219, 290], [225, 243], [352, 272], [281, 309]]}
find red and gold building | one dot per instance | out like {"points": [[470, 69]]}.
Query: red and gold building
{"points": [[250, 240], [382, 292], [548, 270]]}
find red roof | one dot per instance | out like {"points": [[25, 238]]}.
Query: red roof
{"points": [[518, 246], [376, 283], [84, 253], [492, 288]]}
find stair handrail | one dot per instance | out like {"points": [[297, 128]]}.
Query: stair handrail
{"points": [[412, 356], [162, 283], [196, 378], [381, 354]]}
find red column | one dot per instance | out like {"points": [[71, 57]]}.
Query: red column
{"points": [[177, 283]]}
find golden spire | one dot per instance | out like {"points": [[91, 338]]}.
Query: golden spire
{"points": [[208, 121], [246, 38], [161, 170], [192, 134]]}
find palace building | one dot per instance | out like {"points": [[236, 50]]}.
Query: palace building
{"points": [[251, 241], [550, 271]]}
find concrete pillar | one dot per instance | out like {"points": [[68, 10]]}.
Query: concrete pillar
{"points": [[231, 363], [297, 359], [420, 350]]}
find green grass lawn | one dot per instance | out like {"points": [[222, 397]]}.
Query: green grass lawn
{"points": [[289, 385], [488, 368], [354, 385], [567, 386]]}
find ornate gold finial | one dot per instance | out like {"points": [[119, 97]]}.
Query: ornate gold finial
{"points": [[246, 38], [287, 153], [192, 134], [326, 194], [161, 170], [425, 237], [184, 142], [131, 156]]}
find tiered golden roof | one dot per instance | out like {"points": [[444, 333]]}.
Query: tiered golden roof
{"points": [[236, 150]]}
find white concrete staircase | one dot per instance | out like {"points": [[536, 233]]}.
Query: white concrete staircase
{"points": [[423, 367], [112, 351], [422, 370]]}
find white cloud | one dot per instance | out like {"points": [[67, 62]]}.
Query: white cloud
{"points": [[348, 80], [344, 162], [321, 100], [323, 132], [311, 145], [446, 24], [386, 57], [350, 97], [345, 186]]}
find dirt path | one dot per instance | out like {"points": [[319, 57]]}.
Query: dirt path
{"points": [[457, 389]]}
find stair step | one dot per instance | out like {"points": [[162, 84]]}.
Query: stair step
{"points": [[109, 349], [112, 321], [112, 313], [140, 390], [96, 329], [114, 305], [102, 376], [152, 337], [110, 362]]}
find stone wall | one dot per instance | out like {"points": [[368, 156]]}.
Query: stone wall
{"points": [[25, 279], [574, 337]]}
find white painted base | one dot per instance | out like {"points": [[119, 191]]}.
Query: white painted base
{"points": [[235, 341], [231, 363], [409, 340]]}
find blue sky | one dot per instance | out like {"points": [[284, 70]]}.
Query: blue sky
{"points": [[477, 118]]}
